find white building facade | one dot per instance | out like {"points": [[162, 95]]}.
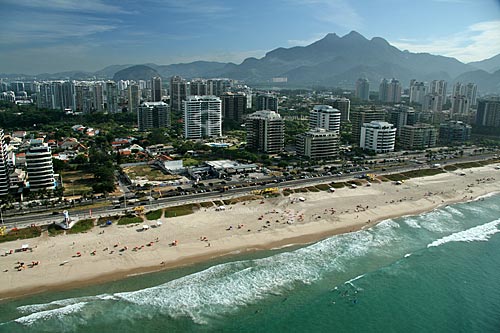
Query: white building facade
{"points": [[378, 136], [202, 117]]}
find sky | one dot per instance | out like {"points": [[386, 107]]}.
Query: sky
{"points": [[47, 36]]}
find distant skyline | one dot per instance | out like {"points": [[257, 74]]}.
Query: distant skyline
{"points": [[41, 36]]}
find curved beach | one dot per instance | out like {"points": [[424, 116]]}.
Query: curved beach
{"points": [[121, 251]]}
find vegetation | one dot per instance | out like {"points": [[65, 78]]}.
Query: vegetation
{"points": [[180, 210], [312, 189], [147, 172], [323, 187], [206, 204], [129, 219], [82, 226], [154, 215], [423, 173], [338, 185], [24, 233]]}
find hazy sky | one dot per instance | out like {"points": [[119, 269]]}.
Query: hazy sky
{"points": [[58, 35]]}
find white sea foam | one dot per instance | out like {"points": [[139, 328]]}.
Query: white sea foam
{"points": [[54, 305], [225, 287], [412, 223], [478, 233], [50, 314]]}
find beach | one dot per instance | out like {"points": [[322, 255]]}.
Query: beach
{"points": [[115, 252]]}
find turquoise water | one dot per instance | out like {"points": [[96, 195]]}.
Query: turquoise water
{"points": [[436, 272]]}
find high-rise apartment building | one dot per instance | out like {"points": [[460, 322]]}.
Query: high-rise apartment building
{"points": [[111, 97], [4, 166], [343, 105], [234, 106], [318, 143], [389, 92], [265, 132], [326, 117], [454, 132], [217, 87], [359, 117], [179, 90], [418, 136], [156, 89], [437, 90], [363, 89], [39, 166], [378, 136], [153, 115], [488, 113], [418, 90], [400, 116], [199, 87], [202, 117], [267, 102], [134, 97]]}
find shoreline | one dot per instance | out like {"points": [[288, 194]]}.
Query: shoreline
{"points": [[314, 220]]}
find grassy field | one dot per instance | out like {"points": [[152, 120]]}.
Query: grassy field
{"points": [[154, 214], [147, 172], [129, 220], [323, 187], [77, 182], [423, 173], [24, 233], [179, 210], [206, 204], [337, 185], [82, 226]]}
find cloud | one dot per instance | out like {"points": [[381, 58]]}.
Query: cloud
{"points": [[78, 6], [338, 12], [479, 41], [48, 28], [197, 8]]}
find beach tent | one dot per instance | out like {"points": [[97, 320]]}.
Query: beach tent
{"points": [[145, 227], [302, 199], [158, 223], [108, 222]]}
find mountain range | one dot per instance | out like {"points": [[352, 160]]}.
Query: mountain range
{"points": [[332, 61]]}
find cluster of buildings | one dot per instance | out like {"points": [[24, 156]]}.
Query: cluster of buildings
{"points": [[429, 96], [204, 106]]}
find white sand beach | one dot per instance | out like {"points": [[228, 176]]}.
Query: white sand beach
{"points": [[120, 251]]}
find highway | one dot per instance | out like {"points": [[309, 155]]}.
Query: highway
{"points": [[46, 217]]}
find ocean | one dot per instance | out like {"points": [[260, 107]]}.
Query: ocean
{"points": [[435, 272]]}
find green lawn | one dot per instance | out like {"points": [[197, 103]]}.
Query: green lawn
{"points": [[154, 215], [179, 210], [82, 226], [129, 220]]}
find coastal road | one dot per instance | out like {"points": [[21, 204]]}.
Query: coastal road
{"points": [[47, 218]]}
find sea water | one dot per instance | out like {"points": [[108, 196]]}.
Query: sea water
{"points": [[435, 272]]}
